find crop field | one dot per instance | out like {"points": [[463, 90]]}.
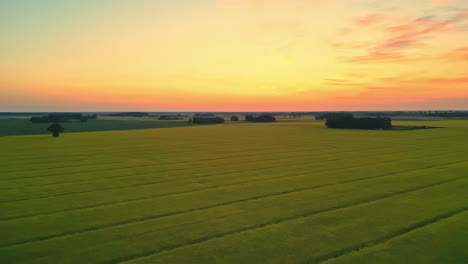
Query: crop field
{"points": [[11, 126], [285, 192]]}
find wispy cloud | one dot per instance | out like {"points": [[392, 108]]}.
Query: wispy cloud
{"points": [[370, 19], [460, 54], [342, 82], [399, 39]]}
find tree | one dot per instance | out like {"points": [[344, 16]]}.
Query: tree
{"points": [[55, 129], [260, 118], [208, 120], [349, 121], [131, 114]]}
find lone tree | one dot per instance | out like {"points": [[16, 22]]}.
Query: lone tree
{"points": [[55, 129]]}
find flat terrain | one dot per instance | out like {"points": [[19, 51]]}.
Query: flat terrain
{"points": [[12, 126], [292, 192]]}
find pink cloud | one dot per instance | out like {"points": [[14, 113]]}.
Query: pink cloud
{"points": [[400, 39], [370, 19]]}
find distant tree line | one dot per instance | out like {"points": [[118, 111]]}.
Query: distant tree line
{"points": [[260, 118], [293, 115], [168, 117], [325, 116], [346, 120], [208, 120], [62, 118], [23, 113], [132, 114], [377, 114], [448, 114], [204, 115]]}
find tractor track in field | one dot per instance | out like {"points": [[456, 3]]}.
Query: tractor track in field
{"points": [[177, 151], [394, 235], [202, 176], [183, 169], [60, 167], [174, 150], [154, 165], [171, 179], [132, 153], [96, 228], [138, 150], [285, 219], [158, 164], [110, 150], [208, 159]]}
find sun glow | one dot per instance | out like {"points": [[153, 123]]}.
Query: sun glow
{"points": [[230, 55]]}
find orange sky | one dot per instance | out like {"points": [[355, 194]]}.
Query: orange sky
{"points": [[233, 55]]}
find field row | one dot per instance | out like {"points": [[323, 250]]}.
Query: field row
{"points": [[248, 193], [257, 220], [155, 173], [83, 200]]}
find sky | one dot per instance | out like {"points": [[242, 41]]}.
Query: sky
{"points": [[233, 55]]}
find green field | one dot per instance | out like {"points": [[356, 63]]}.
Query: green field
{"points": [[12, 126], [285, 192]]}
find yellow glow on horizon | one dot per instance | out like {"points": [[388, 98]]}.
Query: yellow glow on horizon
{"points": [[243, 55]]}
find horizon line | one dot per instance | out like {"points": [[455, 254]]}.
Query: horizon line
{"points": [[131, 111]]}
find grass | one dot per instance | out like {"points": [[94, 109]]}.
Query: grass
{"points": [[286, 192], [13, 126], [446, 241]]}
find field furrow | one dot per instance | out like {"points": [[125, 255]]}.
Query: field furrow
{"points": [[241, 193]]}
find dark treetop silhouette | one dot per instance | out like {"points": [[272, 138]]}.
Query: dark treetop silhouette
{"points": [[55, 129]]}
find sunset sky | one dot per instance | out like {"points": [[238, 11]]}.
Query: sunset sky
{"points": [[233, 55]]}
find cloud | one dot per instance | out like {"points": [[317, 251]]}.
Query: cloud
{"points": [[446, 81], [369, 20], [376, 57], [342, 82], [417, 31], [399, 40], [460, 54]]}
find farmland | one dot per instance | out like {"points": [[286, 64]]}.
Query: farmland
{"points": [[285, 192], [22, 125]]}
